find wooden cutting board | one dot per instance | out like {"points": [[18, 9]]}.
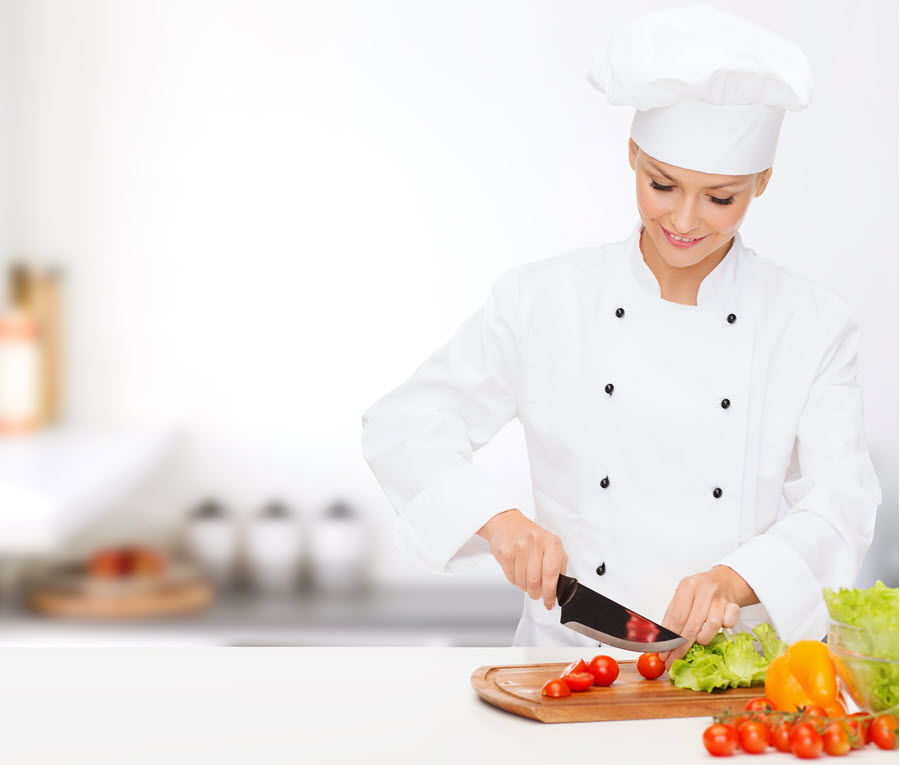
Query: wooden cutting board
{"points": [[517, 689]]}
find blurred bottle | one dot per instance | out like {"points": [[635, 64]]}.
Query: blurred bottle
{"points": [[338, 549], [38, 294], [18, 373], [274, 549], [212, 542]]}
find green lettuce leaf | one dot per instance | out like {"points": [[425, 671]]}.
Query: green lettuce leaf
{"points": [[728, 660], [873, 618], [771, 644]]}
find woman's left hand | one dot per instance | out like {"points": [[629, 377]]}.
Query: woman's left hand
{"points": [[703, 604]]}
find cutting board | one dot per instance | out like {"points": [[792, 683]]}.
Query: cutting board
{"points": [[82, 597], [517, 689]]}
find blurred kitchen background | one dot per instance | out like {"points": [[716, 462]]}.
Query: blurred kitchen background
{"points": [[227, 228]]}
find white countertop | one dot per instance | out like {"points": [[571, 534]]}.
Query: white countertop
{"points": [[305, 705]]}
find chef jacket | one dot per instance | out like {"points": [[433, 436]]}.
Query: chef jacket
{"points": [[663, 439]]}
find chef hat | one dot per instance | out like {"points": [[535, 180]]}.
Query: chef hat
{"points": [[710, 89]]}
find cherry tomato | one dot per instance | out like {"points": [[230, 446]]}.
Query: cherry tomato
{"points": [[781, 736], [650, 665], [806, 743], [578, 681], [762, 704], [556, 688], [813, 710], [835, 739], [605, 670], [754, 737], [720, 740], [738, 721], [883, 732], [859, 723], [574, 667]]}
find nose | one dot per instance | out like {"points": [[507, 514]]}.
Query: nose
{"points": [[685, 217]]}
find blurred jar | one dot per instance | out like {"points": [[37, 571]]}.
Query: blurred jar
{"points": [[274, 549], [338, 549], [19, 373], [212, 542]]}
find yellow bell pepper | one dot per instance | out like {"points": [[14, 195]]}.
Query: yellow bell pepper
{"points": [[804, 675]]}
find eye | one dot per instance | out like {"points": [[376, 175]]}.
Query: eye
{"points": [[660, 187], [718, 201]]}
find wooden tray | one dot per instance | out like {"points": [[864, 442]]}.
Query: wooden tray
{"points": [[517, 689], [140, 602]]}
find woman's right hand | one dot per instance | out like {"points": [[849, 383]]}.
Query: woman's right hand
{"points": [[531, 557]]}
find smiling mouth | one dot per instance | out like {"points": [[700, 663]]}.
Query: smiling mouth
{"points": [[681, 241]]}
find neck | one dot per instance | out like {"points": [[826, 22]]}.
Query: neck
{"points": [[680, 285]]}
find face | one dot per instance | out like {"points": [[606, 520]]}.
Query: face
{"points": [[690, 215]]}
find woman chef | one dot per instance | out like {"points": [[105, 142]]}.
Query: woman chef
{"points": [[673, 388]]}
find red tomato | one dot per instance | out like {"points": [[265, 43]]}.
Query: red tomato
{"points": [[605, 670], [813, 710], [574, 667], [650, 665], [859, 724], [578, 681], [835, 739], [556, 688], [720, 740], [738, 721], [754, 737], [781, 736], [806, 743], [883, 732], [762, 704]]}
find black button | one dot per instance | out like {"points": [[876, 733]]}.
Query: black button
{"points": [[732, 318], [620, 312], [717, 492], [609, 388], [601, 569], [725, 403], [605, 482]]}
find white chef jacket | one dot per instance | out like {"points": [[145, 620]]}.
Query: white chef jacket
{"points": [[663, 438]]}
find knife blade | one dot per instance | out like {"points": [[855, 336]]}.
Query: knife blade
{"points": [[606, 621]]}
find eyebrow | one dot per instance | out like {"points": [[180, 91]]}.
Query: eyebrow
{"points": [[663, 173]]}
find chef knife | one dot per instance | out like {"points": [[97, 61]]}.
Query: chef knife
{"points": [[606, 621]]}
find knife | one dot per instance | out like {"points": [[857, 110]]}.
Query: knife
{"points": [[606, 621]]}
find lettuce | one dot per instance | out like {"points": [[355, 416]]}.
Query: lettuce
{"points": [[872, 616], [728, 660]]}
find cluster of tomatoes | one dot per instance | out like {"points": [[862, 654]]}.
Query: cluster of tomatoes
{"points": [[806, 733], [601, 670]]}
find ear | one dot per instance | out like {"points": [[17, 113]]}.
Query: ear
{"points": [[763, 181], [633, 150]]}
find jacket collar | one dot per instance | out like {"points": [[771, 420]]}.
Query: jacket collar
{"points": [[718, 287]]}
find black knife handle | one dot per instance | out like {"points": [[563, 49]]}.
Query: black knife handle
{"points": [[565, 589]]}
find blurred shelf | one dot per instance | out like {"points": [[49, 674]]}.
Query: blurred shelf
{"points": [[55, 481], [398, 616]]}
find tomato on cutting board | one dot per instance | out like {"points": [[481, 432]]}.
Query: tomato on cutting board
{"points": [[650, 665], [556, 688], [578, 681], [605, 670]]}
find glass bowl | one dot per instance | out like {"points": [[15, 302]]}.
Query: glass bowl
{"points": [[867, 664]]}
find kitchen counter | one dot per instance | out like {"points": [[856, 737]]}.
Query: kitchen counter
{"points": [[306, 705], [378, 616]]}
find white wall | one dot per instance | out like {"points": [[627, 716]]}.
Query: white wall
{"points": [[271, 212]]}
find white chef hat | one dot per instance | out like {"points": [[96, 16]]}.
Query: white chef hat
{"points": [[710, 89]]}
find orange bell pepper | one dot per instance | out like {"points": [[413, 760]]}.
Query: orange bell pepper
{"points": [[804, 675]]}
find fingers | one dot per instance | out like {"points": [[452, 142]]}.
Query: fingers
{"points": [[551, 567], [732, 613], [531, 557], [697, 612]]}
